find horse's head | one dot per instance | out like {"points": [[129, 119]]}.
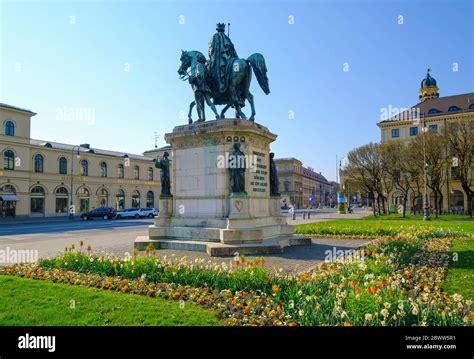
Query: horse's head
{"points": [[185, 64]]}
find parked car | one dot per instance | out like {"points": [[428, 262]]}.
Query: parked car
{"points": [[131, 213], [101, 212], [150, 212]]}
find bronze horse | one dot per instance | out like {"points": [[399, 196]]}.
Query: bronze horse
{"points": [[240, 76]]}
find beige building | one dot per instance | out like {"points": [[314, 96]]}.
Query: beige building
{"points": [[38, 177], [302, 186], [437, 111]]}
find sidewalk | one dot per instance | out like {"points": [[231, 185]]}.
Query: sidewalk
{"points": [[10, 221], [319, 217]]}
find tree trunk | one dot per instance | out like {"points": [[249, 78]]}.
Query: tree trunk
{"points": [[372, 197], [440, 206], [436, 202], [468, 192], [405, 200]]}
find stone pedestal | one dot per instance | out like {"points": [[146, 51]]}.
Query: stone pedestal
{"points": [[203, 213], [238, 206]]}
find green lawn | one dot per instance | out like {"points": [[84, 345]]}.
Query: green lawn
{"points": [[39, 303], [377, 225], [444, 217], [461, 272]]}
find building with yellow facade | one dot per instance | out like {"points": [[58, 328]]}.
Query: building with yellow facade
{"points": [[302, 186], [437, 112], [42, 178]]}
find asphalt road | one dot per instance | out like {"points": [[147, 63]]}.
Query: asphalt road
{"points": [[115, 236]]}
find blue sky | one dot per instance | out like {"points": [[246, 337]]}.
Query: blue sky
{"points": [[48, 63]]}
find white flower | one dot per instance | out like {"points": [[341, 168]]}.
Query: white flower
{"points": [[400, 304], [368, 317], [301, 312]]}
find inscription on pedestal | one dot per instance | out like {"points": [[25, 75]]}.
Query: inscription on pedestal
{"points": [[259, 182]]}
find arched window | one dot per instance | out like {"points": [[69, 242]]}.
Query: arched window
{"points": [[120, 171], [136, 172], [136, 199], [8, 189], [120, 200], [84, 168], [150, 199], [103, 169], [471, 106], [61, 191], [9, 128], [63, 166], [39, 163], [453, 109], [150, 173], [83, 192], [432, 111], [8, 160]]}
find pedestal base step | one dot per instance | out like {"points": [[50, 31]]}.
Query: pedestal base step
{"points": [[269, 246]]}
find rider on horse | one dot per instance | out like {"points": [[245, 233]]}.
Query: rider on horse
{"points": [[221, 55]]}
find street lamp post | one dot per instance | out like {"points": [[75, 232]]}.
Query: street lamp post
{"points": [[71, 211], [426, 210]]}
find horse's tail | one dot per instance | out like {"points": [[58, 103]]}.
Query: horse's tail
{"points": [[257, 61]]}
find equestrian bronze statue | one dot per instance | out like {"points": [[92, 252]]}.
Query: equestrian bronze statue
{"points": [[223, 79]]}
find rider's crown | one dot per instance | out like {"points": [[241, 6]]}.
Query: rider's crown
{"points": [[220, 27]]}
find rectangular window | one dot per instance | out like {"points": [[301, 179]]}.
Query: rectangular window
{"points": [[61, 205], [395, 132], [413, 131], [83, 204], [37, 205], [433, 128]]}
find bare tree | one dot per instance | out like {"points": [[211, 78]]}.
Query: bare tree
{"points": [[364, 170], [399, 169], [436, 163], [461, 146]]}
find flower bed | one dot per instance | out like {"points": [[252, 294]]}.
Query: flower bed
{"points": [[398, 281], [236, 308], [372, 229]]}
